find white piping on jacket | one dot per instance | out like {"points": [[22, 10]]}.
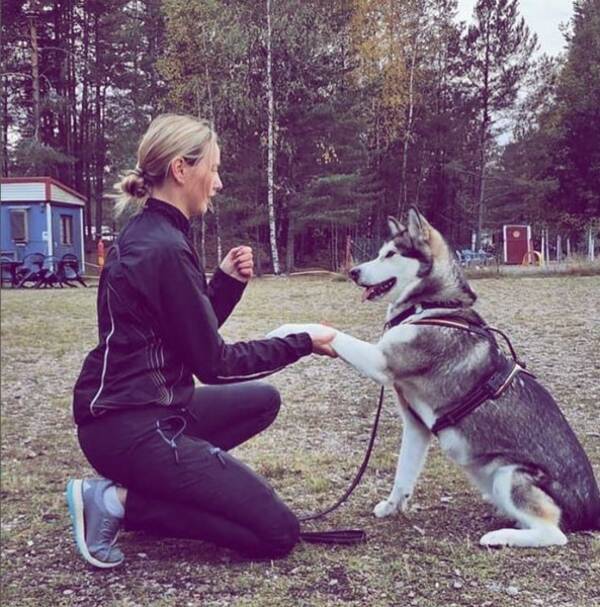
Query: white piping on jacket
{"points": [[106, 349]]}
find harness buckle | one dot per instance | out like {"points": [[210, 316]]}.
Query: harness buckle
{"points": [[495, 382]]}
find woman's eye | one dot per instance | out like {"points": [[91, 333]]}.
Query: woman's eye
{"points": [[390, 254]]}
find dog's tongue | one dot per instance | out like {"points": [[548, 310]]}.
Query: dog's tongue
{"points": [[366, 292]]}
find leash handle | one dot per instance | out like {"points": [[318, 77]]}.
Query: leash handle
{"points": [[334, 536]]}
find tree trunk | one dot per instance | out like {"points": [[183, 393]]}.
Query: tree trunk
{"points": [[270, 149], [403, 205], [289, 251], [218, 230], [35, 74], [4, 132], [83, 172], [99, 132], [258, 256], [483, 137]]}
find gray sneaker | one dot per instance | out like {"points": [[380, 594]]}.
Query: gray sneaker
{"points": [[94, 528]]}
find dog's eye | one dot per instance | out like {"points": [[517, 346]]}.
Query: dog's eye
{"points": [[389, 254]]}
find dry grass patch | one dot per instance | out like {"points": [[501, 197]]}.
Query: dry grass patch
{"points": [[429, 558]]}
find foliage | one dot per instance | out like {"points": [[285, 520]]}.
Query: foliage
{"points": [[377, 105]]}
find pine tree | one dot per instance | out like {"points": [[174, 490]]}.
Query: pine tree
{"points": [[499, 47]]}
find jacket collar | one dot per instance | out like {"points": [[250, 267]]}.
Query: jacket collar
{"points": [[172, 212]]}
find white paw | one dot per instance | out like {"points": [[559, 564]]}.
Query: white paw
{"points": [[501, 537], [313, 329], [385, 508], [526, 538]]}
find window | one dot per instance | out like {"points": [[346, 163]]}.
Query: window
{"points": [[66, 229], [18, 225]]}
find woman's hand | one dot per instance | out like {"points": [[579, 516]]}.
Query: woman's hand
{"points": [[320, 335], [322, 344], [239, 263]]}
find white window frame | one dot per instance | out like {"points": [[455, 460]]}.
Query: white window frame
{"points": [[64, 220], [24, 212]]}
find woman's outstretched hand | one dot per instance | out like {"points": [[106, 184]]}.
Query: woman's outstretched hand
{"points": [[321, 336], [239, 263], [322, 344]]}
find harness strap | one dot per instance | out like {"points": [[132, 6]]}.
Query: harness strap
{"points": [[493, 387]]}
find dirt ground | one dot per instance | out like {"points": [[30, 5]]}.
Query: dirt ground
{"points": [[429, 558]]}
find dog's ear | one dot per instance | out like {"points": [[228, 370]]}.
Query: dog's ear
{"points": [[418, 226], [395, 226]]}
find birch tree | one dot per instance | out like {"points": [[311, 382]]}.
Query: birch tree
{"points": [[271, 146]]}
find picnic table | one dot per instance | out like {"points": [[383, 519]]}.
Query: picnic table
{"points": [[38, 271], [9, 267]]}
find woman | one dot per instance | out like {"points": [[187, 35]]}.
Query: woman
{"points": [[161, 443]]}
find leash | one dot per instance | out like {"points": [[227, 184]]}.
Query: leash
{"points": [[343, 536]]}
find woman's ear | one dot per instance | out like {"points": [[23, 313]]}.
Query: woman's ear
{"points": [[177, 169]]}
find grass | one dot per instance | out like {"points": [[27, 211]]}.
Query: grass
{"points": [[430, 557]]}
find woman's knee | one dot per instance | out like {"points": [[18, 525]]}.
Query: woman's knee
{"points": [[269, 399], [282, 539]]}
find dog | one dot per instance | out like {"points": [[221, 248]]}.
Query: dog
{"points": [[515, 445]]}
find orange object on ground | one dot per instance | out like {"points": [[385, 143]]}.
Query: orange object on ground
{"points": [[100, 253]]}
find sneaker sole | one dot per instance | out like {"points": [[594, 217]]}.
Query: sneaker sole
{"points": [[74, 497]]}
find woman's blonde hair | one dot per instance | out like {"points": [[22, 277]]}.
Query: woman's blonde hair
{"points": [[167, 137]]}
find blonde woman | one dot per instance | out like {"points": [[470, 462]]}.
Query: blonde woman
{"points": [[162, 444]]}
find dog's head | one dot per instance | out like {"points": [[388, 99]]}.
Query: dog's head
{"points": [[415, 261]]}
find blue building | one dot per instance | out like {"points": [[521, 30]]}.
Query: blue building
{"points": [[40, 215]]}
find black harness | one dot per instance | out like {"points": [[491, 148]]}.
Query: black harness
{"points": [[504, 369]]}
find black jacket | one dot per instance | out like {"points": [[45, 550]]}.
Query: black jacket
{"points": [[158, 323]]}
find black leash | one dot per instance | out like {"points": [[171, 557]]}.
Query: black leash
{"points": [[343, 536]]}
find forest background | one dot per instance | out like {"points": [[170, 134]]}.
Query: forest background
{"points": [[331, 115]]}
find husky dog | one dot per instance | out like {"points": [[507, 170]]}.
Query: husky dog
{"points": [[518, 448]]}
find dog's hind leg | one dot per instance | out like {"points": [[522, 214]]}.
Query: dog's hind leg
{"points": [[413, 453], [533, 509]]}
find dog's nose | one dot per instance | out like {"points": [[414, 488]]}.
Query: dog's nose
{"points": [[354, 274]]}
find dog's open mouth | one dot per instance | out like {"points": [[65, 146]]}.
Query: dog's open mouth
{"points": [[375, 291]]}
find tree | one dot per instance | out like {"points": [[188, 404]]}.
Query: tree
{"points": [[270, 144], [499, 48], [578, 99]]}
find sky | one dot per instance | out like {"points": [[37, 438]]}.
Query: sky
{"points": [[542, 16]]}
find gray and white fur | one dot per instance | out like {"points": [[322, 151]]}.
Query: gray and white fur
{"points": [[519, 449]]}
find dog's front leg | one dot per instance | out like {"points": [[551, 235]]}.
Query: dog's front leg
{"points": [[413, 453], [366, 358]]}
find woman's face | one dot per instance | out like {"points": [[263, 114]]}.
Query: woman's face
{"points": [[203, 181]]}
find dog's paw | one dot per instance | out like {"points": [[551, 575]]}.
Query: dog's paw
{"points": [[385, 508], [282, 331], [313, 329], [525, 538], [498, 539]]}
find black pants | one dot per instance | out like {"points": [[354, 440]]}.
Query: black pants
{"points": [[180, 479]]}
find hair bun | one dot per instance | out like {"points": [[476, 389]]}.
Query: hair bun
{"points": [[134, 184]]}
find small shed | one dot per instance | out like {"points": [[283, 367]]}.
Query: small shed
{"points": [[517, 243], [40, 215]]}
